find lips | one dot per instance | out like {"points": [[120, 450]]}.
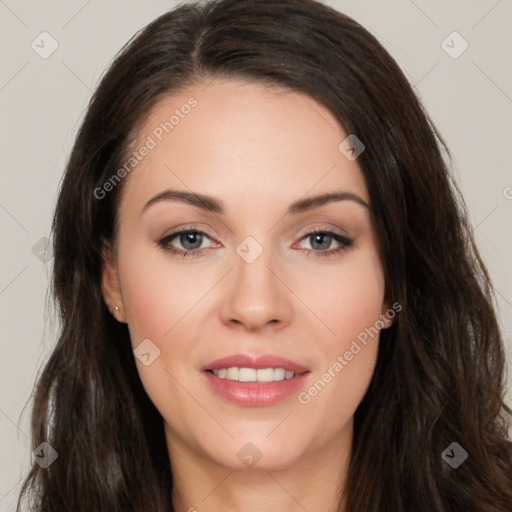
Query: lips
{"points": [[255, 394]]}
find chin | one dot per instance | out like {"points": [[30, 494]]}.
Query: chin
{"points": [[257, 452]]}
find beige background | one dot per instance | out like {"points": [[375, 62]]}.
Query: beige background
{"points": [[42, 101]]}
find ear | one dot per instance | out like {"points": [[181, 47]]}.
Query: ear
{"points": [[110, 286], [387, 315]]}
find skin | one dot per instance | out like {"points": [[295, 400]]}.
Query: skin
{"points": [[257, 149]]}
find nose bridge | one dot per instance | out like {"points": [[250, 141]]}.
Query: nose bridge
{"points": [[256, 296]]}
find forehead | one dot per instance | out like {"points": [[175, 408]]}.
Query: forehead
{"points": [[245, 142]]}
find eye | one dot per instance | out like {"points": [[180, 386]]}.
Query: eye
{"points": [[321, 241], [191, 241]]}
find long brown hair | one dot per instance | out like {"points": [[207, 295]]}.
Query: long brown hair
{"points": [[440, 371]]}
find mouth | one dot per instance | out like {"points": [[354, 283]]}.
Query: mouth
{"points": [[255, 381]]}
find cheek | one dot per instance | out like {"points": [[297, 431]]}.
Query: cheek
{"points": [[349, 302], [163, 300], [157, 296], [159, 300], [347, 298]]}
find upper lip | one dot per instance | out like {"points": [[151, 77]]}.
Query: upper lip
{"points": [[256, 362]]}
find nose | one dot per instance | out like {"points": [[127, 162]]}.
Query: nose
{"points": [[256, 296]]}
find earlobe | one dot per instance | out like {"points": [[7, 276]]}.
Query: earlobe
{"points": [[387, 316], [118, 313], [110, 286]]}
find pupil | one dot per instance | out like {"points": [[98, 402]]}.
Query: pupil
{"points": [[324, 245], [194, 238]]}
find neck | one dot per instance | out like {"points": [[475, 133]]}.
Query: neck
{"points": [[313, 482]]}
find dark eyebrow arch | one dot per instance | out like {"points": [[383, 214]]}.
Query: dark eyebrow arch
{"points": [[208, 203], [309, 203], [214, 205]]}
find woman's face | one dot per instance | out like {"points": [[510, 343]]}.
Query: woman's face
{"points": [[257, 287]]}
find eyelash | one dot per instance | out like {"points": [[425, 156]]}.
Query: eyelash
{"points": [[165, 243]]}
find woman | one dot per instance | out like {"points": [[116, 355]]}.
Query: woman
{"points": [[209, 358]]}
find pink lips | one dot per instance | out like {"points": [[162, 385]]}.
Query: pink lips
{"points": [[255, 394]]}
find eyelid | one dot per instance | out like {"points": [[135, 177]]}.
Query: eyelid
{"points": [[187, 228], [326, 228]]}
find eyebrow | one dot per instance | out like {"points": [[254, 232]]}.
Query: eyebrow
{"points": [[214, 205]]}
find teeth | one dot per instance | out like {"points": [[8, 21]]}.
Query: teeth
{"points": [[279, 373], [232, 373], [265, 375], [253, 375], [247, 375]]}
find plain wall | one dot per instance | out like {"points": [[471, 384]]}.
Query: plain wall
{"points": [[42, 101]]}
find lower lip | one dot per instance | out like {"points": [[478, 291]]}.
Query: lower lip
{"points": [[256, 394]]}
